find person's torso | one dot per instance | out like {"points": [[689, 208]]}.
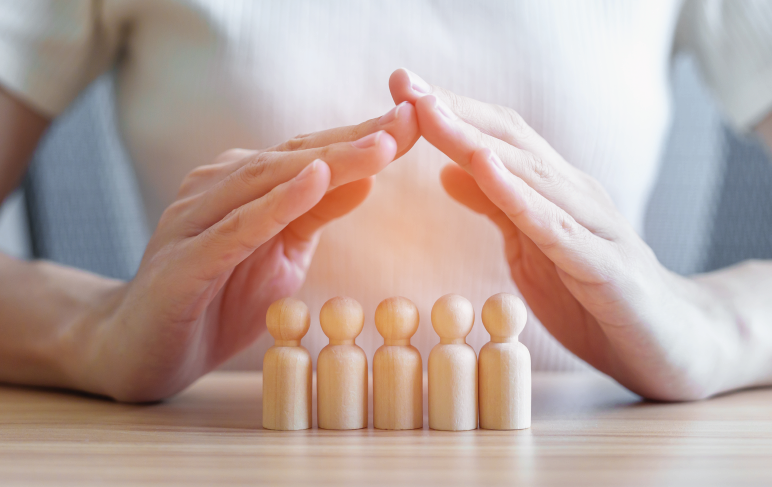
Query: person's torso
{"points": [[200, 77]]}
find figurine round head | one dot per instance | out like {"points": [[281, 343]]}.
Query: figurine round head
{"points": [[504, 316], [342, 318], [452, 316], [288, 319], [396, 319]]}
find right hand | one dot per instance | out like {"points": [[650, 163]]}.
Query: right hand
{"points": [[587, 275], [240, 235]]}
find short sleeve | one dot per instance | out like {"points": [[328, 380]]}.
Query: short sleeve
{"points": [[732, 41], [51, 49]]}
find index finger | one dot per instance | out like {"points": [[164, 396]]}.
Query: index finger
{"points": [[400, 122], [497, 121]]}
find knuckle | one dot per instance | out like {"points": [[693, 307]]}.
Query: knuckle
{"points": [[516, 125], [232, 230], [195, 178], [299, 142], [175, 211], [231, 155], [279, 221], [542, 170], [567, 226], [460, 106], [203, 172], [563, 228], [257, 168], [324, 152], [356, 132], [237, 222]]}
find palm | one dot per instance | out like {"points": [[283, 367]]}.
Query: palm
{"points": [[202, 323], [276, 269], [570, 314], [236, 315], [554, 305]]}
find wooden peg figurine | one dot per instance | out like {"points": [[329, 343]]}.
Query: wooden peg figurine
{"points": [[287, 368], [505, 366], [397, 368], [452, 367], [341, 369]]}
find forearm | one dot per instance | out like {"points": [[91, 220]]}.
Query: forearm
{"points": [[737, 304], [745, 328], [44, 308], [20, 130]]}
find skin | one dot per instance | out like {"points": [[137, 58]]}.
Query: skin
{"points": [[240, 234], [588, 277], [243, 230]]}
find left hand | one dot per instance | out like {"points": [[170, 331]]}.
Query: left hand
{"points": [[582, 268]]}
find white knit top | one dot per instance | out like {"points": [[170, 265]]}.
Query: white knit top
{"points": [[197, 77]]}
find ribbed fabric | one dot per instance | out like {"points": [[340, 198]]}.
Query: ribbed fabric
{"points": [[200, 77]]}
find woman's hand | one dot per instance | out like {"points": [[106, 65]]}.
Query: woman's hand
{"points": [[240, 234], [586, 274]]}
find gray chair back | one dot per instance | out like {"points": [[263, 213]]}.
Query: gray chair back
{"points": [[83, 200]]}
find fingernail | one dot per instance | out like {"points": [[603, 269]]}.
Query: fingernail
{"points": [[306, 172], [417, 84], [391, 115], [444, 110], [367, 141]]}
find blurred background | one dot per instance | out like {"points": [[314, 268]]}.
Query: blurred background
{"points": [[80, 202]]}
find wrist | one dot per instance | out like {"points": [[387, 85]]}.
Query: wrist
{"points": [[77, 347], [695, 346], [40, 304], [745, 330], [714, 326]]}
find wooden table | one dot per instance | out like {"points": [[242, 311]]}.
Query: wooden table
{"points": [[586, 431]]}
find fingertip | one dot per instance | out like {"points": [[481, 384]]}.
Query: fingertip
{"points": [[428, 102], [373, 153], [452, 174], [407, 86], [481, 167], [357, 191], [389, 143], [318, 171], [493, 178], [427, 113], [482, 160], [399, 86], [325, 173], [406, 112], [360, 187], [404, 127], [408, 116], [451, 182], [344, 198], [437, 128]]}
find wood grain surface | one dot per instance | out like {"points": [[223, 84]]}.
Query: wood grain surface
{"points": [[586, 431]]}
